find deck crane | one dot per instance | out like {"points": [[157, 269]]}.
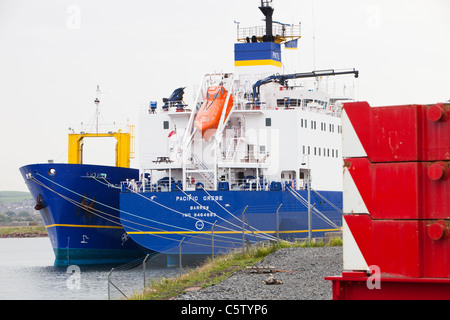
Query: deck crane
{"points": [[283, 78]]}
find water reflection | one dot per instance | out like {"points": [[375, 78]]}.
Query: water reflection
{"points": [[27, 272]]}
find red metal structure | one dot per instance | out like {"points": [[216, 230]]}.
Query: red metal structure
{"points": [[396, 203]]}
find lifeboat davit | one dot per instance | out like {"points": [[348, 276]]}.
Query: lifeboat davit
{"points": [[208, 117]]}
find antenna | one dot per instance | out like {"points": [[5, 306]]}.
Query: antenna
{"points": [[314, 34], [97, 102]]}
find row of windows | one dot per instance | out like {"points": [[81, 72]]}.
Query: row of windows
{"points": [[313, 125], [288, 102], [303, 124], [323, 126], [318, 151]]}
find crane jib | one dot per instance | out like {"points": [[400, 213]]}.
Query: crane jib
{"points": [[284, 77]]}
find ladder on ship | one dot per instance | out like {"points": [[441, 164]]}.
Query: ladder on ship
{"points": [[205, 173], [232, 148]]}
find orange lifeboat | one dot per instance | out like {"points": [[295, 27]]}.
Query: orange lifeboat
{"points": [[208, 117]]}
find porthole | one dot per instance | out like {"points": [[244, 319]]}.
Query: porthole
{"points": [[52, 172]]}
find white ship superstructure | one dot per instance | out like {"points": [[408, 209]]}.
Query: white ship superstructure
{"points": [[289, 131], [243, 157]]}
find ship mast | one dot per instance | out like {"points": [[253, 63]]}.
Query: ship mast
{"points": [[267, 10], [97, 112]]}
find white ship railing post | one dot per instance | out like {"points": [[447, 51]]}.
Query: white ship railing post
{"points": [[309, 199]]}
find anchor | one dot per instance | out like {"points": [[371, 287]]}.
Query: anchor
{"points": [[39, 203], [87, 207]]}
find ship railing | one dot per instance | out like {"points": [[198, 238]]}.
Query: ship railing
{"points": [[102, 128], [170, 107], [147, 185], [301, 184], [132, 185], [282, 32], [251, 183], [241, 156], [193, 182], [245, 105], [138, 186], [196, 183], [248, 183]]}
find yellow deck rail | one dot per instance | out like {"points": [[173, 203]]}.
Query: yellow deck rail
{"points": [[124, 150]]}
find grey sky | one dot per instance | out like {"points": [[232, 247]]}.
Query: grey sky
{"points": [[53, 53]]}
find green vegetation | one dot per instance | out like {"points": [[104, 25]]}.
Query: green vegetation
{"points": [[14, 196], [217, 270], [6, 231], [333, 242], [17, 206], [22, 216]]}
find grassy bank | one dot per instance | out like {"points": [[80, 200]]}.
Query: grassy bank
{"points": [[22, 231], [14, 196], [217, 270]]}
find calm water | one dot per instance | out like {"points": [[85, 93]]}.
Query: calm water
{"points": [[27, 272]]}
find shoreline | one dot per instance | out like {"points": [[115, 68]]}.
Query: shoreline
{"points": [[24, 235], [23, 232]]}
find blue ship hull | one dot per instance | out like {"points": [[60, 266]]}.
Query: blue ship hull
{"points": [[160, 221], [79, 207]]}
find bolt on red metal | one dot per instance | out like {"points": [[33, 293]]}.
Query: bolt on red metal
{"points": [[437, 231]]}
